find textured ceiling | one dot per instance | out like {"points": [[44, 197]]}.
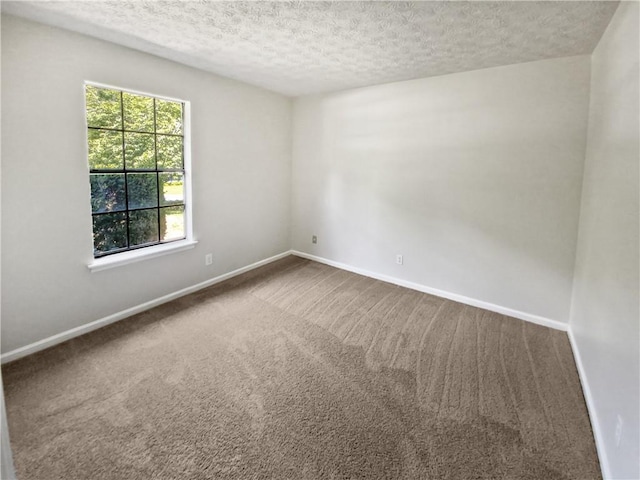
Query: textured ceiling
{"points": [[299, 48]]}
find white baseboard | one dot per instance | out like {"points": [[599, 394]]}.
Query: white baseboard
{"points": [[75, 332], [547, 322], [82, 329], [595, 426], [591, 408]]}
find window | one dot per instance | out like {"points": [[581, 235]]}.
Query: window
{"points": [[136, 170]]}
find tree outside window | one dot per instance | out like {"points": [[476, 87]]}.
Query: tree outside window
{"points": [[137, 174]]}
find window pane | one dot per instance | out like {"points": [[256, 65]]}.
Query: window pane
{"points": [[139, 151], [107, 192], [171, 188], [172, 223], [143, 227], [142, 190], [138, 112], [169, 152], [109, 232], [103, 107], [105, 150], [168, 117]]}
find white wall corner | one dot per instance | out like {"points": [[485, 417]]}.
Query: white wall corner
{"points": [[588, 397]]}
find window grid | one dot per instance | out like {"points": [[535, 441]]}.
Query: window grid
{"points": [[126, 171], [124, 166]]}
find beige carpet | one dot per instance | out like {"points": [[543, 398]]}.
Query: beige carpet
{"points": [[301, 371]]}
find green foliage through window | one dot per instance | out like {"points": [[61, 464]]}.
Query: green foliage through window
{"points": [[136, 162]]}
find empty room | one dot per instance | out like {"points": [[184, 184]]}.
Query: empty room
{"points": [[320, 240]]}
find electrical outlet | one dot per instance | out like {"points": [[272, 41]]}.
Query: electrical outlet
{"points": [[399, 259], [619, 425], [314, 239], [208, 259]]}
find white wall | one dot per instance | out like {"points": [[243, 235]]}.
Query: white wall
{"points": [[7, 471], [474, 177], [241, 144], [605, 316]]}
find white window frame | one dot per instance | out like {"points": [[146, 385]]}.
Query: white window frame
{"points": [[137, 255]]}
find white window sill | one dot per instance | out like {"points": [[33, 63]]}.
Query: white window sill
{"points": [[125, 258]]}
